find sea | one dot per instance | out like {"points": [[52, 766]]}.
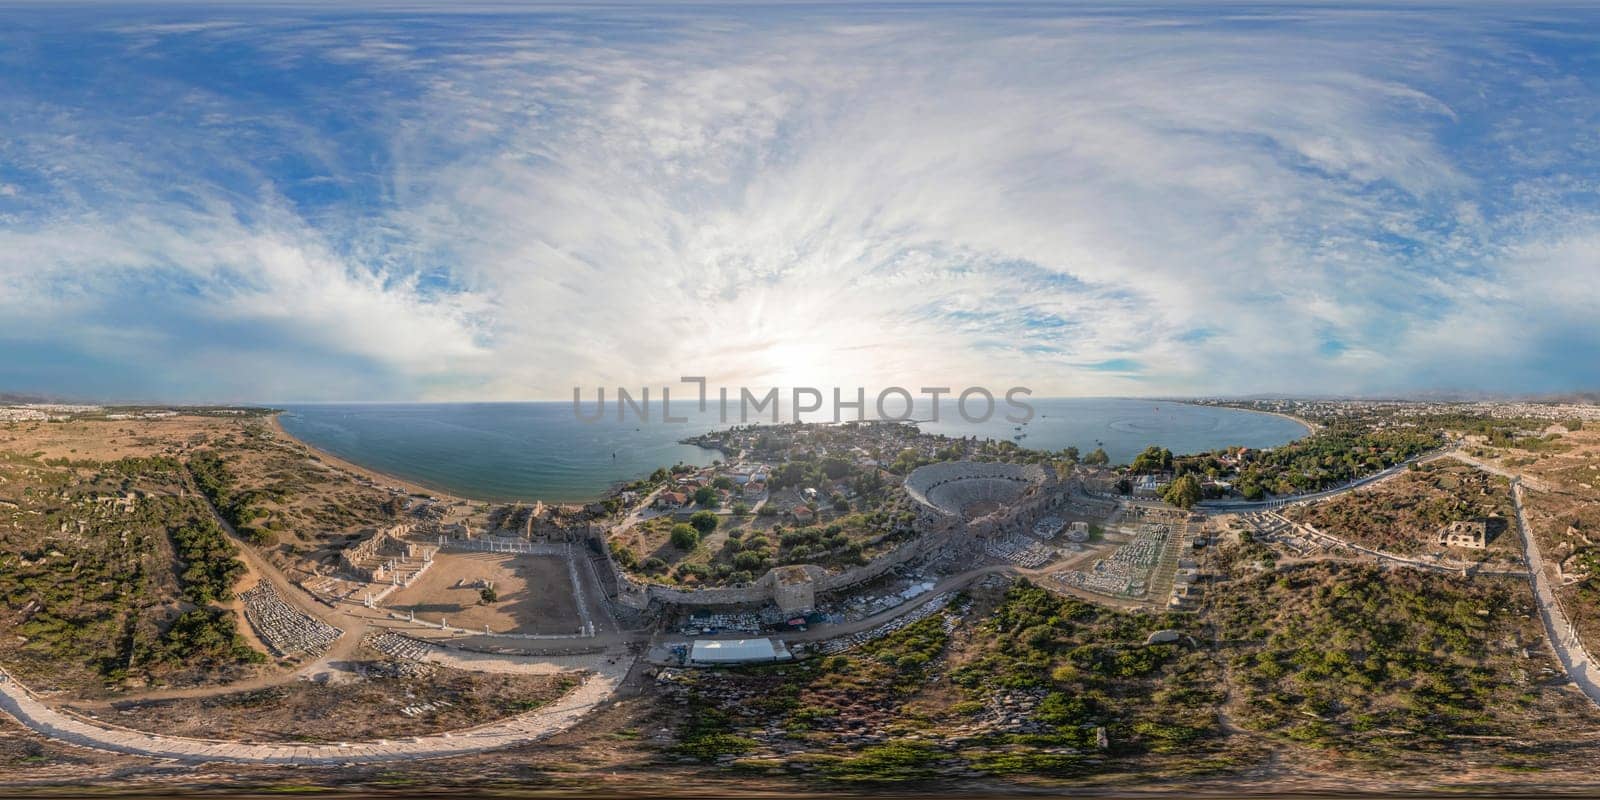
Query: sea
{"points": [[543, 451]]}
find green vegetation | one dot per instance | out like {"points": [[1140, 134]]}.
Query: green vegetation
{"points": [[1154, 460], [685, 537], [1094, 672], [703, 521], [217, 483], [93, 607], [1404, 514], [207, 638], [210, 568], [1369, 664], [1183, 492], [706, 497], [1333, 455], [708, 734]]}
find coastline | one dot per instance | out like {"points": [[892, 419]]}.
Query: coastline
{"points": [[381, 478], [1311, 427], [414, 487]]}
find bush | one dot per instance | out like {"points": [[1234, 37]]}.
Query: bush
{"points": [[703, 521], [685, 537]]}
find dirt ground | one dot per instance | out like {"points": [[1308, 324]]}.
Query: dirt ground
{"points": [[1405, 513], [535, 593], [440, 699], [109, 440]]}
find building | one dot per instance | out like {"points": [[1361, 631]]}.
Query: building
{"points": [[1470, 533], [793, 590], [671, 500]]}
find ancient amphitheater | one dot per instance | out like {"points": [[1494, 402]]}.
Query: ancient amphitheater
{"points": [[972, 489]]}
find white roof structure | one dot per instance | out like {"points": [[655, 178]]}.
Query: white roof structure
{"points": [[736, 651]]}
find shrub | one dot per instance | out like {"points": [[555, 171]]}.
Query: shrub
{"points": [[685, 537], [703, 521]]}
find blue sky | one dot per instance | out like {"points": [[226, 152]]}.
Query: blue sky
{"points": [[384, 202]]}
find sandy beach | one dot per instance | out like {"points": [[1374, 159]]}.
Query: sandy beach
{"points": [[380, 478]]}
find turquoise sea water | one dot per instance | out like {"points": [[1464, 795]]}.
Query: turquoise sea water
{"points": [[527, 451]]}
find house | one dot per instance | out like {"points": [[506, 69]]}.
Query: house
{"points": [[671, 500], [754, 489], [1149, 485], [803, 514]]}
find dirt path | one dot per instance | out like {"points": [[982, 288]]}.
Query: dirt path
{"points": [[1574, 657]]}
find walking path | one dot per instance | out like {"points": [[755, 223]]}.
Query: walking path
{"points": [[1575, 658], [19, 702], [1279, 502], [1386, 557]]}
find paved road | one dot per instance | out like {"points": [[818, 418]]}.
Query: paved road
{"points": [[1580, 665], [1261, 505], [565, 712]]}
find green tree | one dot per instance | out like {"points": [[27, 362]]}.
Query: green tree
{"points": [[488, 595], [1154, 459], [685, 537], [1097, 458], [1183, 492], [705, 497], [703, 521]]}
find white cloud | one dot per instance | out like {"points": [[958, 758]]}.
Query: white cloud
{"points": [[1262, 205]]}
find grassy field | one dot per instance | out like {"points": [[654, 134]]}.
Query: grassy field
{"points": [[1393, 667], [1404, 514], [1023, 685], [742, 549], [109, 576]]}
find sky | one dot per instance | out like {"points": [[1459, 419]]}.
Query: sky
{"points": [[381, 202]]}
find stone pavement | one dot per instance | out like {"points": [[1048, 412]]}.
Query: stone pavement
{"points": [[609, 671]]}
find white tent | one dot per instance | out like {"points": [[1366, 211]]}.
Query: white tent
{"points": [[735, 651]]}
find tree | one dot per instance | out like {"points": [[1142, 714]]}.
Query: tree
{"points": [[685, 537], [488, 595], [1097, 458], [741, 509], [1070, 455], [705, 497], [1183, 492], [703, 521], [1154, 459]]}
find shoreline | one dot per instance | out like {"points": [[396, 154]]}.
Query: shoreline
{"points": [[381, 478], [414, 487], [1311, 427]]}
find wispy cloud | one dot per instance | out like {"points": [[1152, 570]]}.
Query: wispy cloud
{"points": [[507, 205]]}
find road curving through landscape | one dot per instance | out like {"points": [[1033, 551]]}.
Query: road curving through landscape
{"points": [[560, 715]]}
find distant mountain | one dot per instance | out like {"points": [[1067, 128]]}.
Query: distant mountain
{"points": [[11, 398]]}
